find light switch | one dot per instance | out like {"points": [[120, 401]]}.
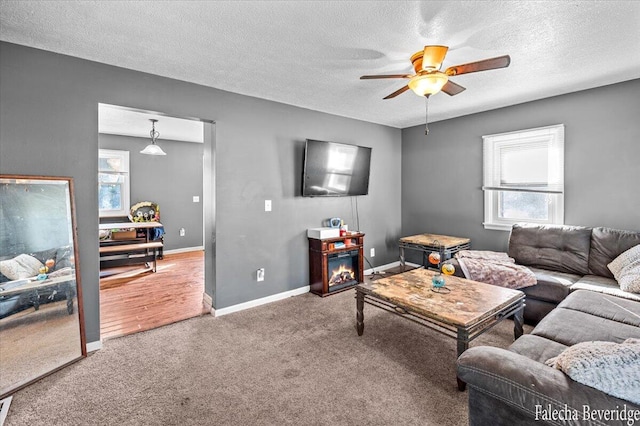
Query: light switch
{"points": [[267, 205], [196, 199]]}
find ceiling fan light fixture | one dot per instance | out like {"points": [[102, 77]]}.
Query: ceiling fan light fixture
{"points": [[428, 84], [152, 148]]}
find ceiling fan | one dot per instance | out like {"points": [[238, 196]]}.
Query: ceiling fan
{"points": [[429, 80]]}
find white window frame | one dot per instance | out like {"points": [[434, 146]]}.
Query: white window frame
{"points": [[126, 190], [553, 138]]}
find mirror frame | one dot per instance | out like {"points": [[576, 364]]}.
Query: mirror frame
{"points": [[76, 265]]}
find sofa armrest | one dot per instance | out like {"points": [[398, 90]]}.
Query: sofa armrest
{"points": [[532, 386]]}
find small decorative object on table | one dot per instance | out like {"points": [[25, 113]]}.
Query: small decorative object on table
{"points": [[438, 281], [145, 211]]}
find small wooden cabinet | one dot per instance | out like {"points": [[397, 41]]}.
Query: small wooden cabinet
{"points": [[336, 264]]}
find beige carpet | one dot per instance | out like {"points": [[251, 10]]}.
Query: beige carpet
{"points": [[36, 342], [298, 361]]}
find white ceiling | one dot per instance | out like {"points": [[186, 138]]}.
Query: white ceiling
{"points": [[312, 53]]}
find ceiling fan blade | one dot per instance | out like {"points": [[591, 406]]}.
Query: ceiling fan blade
{"points": [[484, 65], [397, 92], [433, 56], [452, 88], [371, 77]]}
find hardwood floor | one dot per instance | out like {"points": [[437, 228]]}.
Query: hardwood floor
{"points": [[133, 302], [136, 300]]}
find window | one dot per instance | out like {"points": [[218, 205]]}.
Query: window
{"points": [[524, 177], [113, 182]]}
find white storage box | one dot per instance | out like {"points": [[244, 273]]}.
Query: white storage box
{"points": [[322, 233]]}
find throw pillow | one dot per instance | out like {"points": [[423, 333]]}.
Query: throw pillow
{"points": [[20, 267], [613, 368], [629, 277], [624, 259]]}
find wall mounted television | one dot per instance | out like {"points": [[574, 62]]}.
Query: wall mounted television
{"points": [[333, 169]]}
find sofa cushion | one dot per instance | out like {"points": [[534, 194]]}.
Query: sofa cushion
{"points": [[64, 258], [44, 255], [606, 245], [608, 307], [613, 368], [554, 247], [552, 286], [570, 327], [537, 348], [603, 285]]}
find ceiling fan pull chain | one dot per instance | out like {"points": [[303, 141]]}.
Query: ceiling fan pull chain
{"points": [[426, 111]]}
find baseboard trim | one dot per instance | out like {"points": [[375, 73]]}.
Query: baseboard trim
{"points": [[262, 301], [183, 250], [389, 266], [94, 346], [208, 301]]}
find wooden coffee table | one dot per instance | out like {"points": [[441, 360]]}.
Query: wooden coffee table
{"points": [[469, 308]]}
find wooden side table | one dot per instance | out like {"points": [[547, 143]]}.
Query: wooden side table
{"points": [[446, 245]]}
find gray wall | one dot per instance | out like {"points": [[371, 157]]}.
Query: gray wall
{"points": [[442, 172], [171, 181], [49, 116]]}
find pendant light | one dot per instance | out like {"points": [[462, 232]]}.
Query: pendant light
{"points": [[152, 148]]}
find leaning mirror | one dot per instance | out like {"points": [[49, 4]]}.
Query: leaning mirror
{"points": [[41, 320]]}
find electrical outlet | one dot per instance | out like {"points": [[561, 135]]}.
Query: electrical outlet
{"points": [[196, 199], [373, 252], [182, 232], [267, 205], [260, 274]]}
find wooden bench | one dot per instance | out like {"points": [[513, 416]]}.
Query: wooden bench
{"points": [[129, 249]]}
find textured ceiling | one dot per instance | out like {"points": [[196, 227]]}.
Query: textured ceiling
{"points": [[311, 54]]}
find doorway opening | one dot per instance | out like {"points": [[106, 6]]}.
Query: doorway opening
{"points": [[155, 243]]}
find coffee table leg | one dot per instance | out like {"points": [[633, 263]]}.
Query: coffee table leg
{"points": [[463, 345], [402, 261], [359, 312], [518, 321]]}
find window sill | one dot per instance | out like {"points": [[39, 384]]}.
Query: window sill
{"points": [[120, 213], [498, 226]]}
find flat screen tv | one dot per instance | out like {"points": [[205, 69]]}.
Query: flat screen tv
{"points": [[334, 169]]}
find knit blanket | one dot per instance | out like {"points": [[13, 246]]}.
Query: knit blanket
{"points": [[495, 268], [613, 368]]}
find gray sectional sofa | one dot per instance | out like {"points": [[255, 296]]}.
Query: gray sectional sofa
{"points": [[514, 386], [567, 258], [576, 300], [564, 259]]}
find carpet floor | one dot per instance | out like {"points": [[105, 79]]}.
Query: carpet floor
{"points": [[25, 333], [297, 361]]}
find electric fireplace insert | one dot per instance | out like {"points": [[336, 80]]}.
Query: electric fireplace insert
{"points": [[342, 269], [336, 264]]}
